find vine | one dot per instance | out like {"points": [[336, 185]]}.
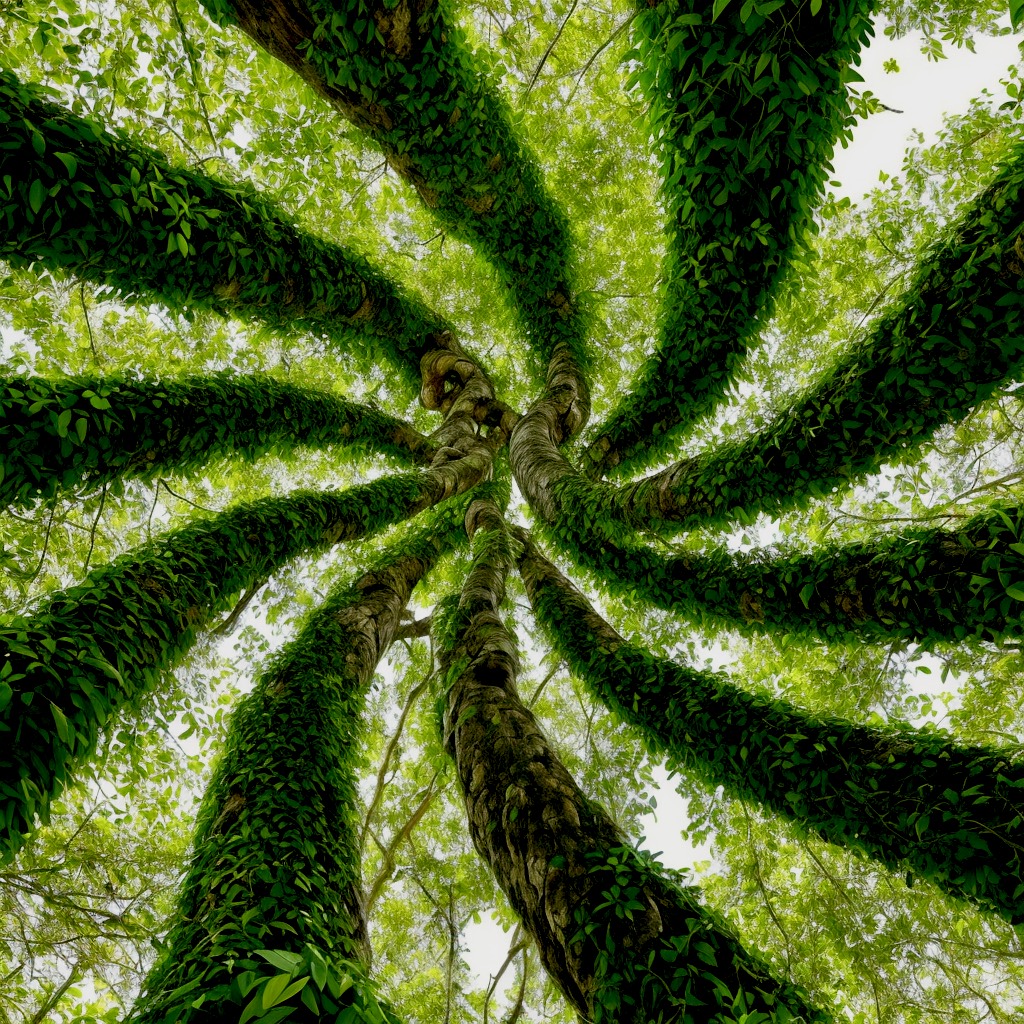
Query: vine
{"points": [[92, 648], [89, 431], [81, 199], [930, 359], [270, 919]]}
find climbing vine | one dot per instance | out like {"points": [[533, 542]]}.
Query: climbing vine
{"points": [[89, 431]]}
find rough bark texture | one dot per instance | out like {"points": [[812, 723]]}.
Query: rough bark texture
{"points": [[559, 858]]}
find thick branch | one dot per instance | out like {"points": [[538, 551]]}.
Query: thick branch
{"points": [[954, 338], [102, 644], [88, 431], [414, 88], [276, 863], [746, 110], [921, 585], [89, 202], [606, 924], [909, 798]]}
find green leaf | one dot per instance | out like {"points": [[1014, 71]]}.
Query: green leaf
{"points": [[36, 195], [60, 721], [274, 989]]}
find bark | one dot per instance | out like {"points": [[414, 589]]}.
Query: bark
{"points": [[605, 925], [89, 431], [277, 845], [909, 798]]}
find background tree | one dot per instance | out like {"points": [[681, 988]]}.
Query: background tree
{"points": [[213, 347]]}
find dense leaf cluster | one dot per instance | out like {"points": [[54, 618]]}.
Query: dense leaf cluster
{"points": [[270, 919], [745, 109], [102, 644], [84, 200]]}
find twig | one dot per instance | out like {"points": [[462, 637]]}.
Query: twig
{"points": [[88, 325], [92, 532], [547, 53]]}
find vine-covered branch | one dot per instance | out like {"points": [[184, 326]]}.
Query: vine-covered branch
{"points": [[746, 107], [78, 198], [910, 798], [403, 73], [274, 886], [946, 346], [102, 644], [619, 939], [923, 585], [58, 434]]}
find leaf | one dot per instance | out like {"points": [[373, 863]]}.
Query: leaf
{"points": [[60, 721], [36, 195], [273, 990], [283, 959], [719, 6]]}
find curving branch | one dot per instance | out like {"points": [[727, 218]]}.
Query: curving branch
{"points": [[89, 202], [277, 837], [95, 647], [924, 585], [403, 73], [746, 109], [953, 339], [59, 434], [910, 798]]}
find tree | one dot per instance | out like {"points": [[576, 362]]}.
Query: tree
{"points": [[155, 287]]}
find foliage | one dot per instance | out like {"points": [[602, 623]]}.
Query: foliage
{"points": [[223, 266]]}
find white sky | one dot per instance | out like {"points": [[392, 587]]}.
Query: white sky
{"points": [[924, 90]]}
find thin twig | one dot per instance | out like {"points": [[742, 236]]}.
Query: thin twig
{"points": [[92, 532], [88, 326], [547, 53], [597, 53]]}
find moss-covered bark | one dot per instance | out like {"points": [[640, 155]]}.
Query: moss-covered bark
{"points": [[274, 889], [620, 941], [81, 199], [746, 109], [402, 72], [57, 434], [908, 798]]}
